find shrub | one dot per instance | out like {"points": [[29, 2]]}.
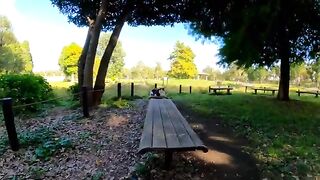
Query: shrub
{"points": [[25, 89], [74, 90]]}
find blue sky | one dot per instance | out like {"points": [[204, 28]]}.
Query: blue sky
{"points": [[48, 31]]}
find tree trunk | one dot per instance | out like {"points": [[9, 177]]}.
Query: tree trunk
{"points": [[88, 68], [83, 56], [283, 93], [105, 60]]}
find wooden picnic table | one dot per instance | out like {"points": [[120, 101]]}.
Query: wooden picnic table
{"points": [[264, 89], [217, 89], [165, 129], [308, 92]]}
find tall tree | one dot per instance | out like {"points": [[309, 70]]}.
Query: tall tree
{"points": [[68, 60], [15, 57], [6, 32], [299, 72], [257, 74], [158, 71], [182, 62], [235, 73], [261, 32], [213, 73], [117, 59], [315, 70]]}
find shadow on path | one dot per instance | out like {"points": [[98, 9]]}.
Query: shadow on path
{"points": [[226, 158]]}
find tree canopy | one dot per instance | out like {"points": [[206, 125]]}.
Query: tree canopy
{"points": [[117, 58], [68, 59], [261, 32], [15, 57], [182, 62]]}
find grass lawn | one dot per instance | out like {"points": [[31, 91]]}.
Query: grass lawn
{"points": [[284, 135]]}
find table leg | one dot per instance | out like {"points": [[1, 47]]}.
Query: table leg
{"points": [[168, 159]]}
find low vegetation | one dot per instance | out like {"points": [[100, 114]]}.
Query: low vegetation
{"points": [[25, 89]]}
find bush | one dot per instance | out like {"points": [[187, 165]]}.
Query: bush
{"points": [[74, 90], [25, 89]]}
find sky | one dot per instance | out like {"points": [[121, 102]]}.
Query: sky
{"points": [[48, 31]]}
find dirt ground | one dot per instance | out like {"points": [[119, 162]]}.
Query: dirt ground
{"points": [[226, 158]]}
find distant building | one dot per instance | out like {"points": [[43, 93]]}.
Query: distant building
{"points": [[203, 76]]}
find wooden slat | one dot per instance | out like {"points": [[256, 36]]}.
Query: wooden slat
{"points": [[195, 138], [170, 133], [146, 139], [159, 140], [182, 133]]}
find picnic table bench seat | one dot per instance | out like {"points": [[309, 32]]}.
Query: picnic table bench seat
{"points": [[308, 92], [264, 90], [165, 129], [216, 89]]}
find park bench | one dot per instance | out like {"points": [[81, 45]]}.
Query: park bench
{"points": [[308, 92], [166, 130], [218, 89], [264, 90]]}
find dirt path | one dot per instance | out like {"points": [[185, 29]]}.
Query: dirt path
{"points": [[226, 158]]}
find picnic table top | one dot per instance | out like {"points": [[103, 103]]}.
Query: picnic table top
{"points": [[267, 89], [166, 129], [221, 88]]}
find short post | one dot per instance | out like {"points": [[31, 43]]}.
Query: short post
{"points": [[132, 89], [180, 87], [119, 90], [209, 88], [245, 90], [9, 123], [167, 159], [155, 85], [264, 89], [317, 94], [85, 107], [298, 92], [190, 89]]}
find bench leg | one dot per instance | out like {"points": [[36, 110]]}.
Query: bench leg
{"points": [[168, 159]]}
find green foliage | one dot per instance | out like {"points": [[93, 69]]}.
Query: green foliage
{"points": [[45, 142], [74, 90], [68, 60], [35, 137], [117, 59], [119, 103], [298, 72], [213, 74], [235, 73], [6, 32], [25, 89], [97, 175], [141, 71], [182, 62], [257, 74], [15, 57], [50, 147]]}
